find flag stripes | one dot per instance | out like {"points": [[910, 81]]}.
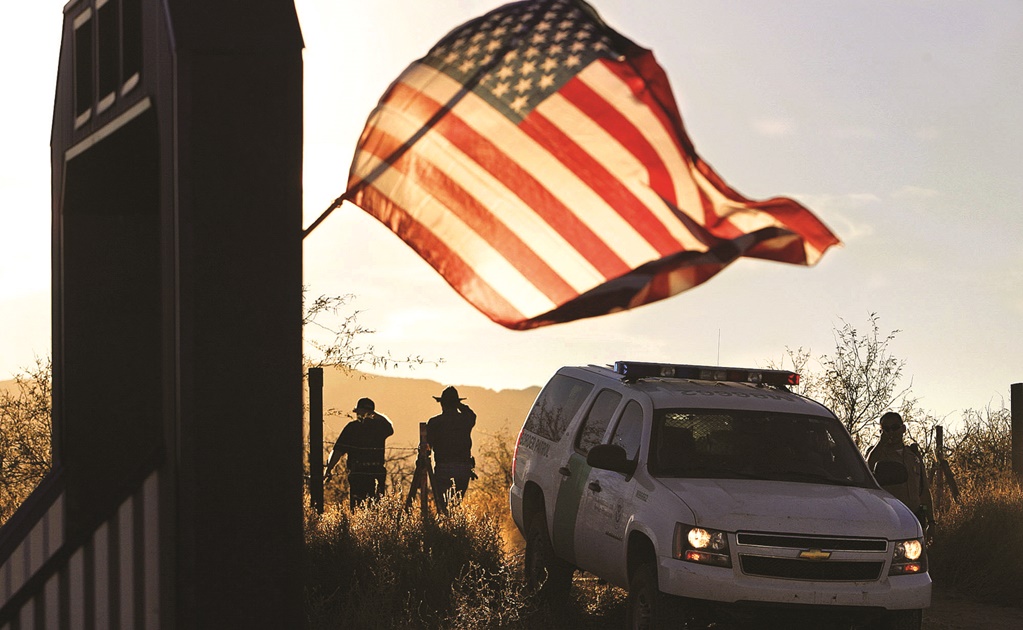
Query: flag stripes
{"points": [[596, 239], [468, 219], [665, 160], [545, 190], [482, 170], [540, 182], [505, 152], [603, 183], [631, 155], [451, 266]]}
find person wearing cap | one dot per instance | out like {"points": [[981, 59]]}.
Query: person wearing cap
{"points": [[915, 492], [363, 440], [450, 437]]}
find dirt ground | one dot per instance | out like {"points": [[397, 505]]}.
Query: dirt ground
{"points": [[951, 612], [948, 611]]}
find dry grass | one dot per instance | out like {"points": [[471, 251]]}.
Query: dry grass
{"points": [[978, 549], [381, 566]]}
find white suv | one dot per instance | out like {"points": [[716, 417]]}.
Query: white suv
{"points": [[710, 489]]}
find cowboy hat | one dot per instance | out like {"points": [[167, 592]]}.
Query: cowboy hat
{"points": [[450, 395], [364, 404]]}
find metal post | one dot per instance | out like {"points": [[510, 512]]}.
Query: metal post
{"points": [[316, 438], [424, 477], [939, 456], [1016, 408]]}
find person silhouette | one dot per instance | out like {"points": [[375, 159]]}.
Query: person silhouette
{"points": [[449, 435], [363, 441]]}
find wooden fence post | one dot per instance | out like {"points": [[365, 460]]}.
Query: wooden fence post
{"points": [[316, 438], [1016, 409], [422, 479], [939, 476]]}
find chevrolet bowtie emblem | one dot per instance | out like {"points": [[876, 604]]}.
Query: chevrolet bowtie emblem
{"points": [[814, 554]]}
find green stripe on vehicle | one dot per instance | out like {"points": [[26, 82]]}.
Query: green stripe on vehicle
{"points": [[566, 507]]}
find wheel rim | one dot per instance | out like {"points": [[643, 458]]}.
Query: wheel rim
{"points": [[643, 600], [644, 610]]}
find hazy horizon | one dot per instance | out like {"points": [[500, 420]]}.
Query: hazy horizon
{"points": [[896, 123]]}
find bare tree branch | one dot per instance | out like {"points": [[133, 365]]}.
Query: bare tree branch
{"points": [[339, 330]]}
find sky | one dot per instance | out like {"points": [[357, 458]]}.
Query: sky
{"points": [[897, 122]]}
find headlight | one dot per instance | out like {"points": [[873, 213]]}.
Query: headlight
{"points": [[703, 546], [910, 557]]}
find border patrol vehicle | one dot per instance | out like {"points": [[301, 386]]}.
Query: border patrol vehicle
{"points": [[704, 489]]}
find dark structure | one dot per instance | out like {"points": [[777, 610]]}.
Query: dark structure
{"points": [[1016, 409], [176, 495]]}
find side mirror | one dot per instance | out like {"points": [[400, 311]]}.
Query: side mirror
{"points": [[890, 473], [610, 457]]}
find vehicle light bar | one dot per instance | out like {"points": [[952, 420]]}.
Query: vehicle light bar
{"points": [[634, 370]]}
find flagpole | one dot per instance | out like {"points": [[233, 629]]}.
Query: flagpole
{"points": [[337, 204]]}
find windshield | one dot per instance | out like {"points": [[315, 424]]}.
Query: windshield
{"points": [[739, 444]]}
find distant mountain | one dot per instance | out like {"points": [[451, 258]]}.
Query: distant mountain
{"points": [[409, 401]]}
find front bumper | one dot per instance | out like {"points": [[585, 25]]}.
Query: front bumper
{"points": [[728, 585]]}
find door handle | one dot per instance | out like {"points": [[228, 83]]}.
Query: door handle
{"points": [[593, 485], [564, 470]]}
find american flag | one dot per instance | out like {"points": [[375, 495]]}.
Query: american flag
{"points": [[537, 160]]}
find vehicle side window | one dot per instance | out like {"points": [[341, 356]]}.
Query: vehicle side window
{"points": [[629, 431], [599, 416], [556, 405]]}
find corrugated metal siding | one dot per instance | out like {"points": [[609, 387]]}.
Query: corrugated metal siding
{"points": [[112, 581]]}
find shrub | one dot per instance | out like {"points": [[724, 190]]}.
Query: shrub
{"points": [[25, 447], [381, 566], [494, 454], [980, 541], [979, 451]]}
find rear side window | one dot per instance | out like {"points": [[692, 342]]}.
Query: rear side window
{"points": [[599, 416], [556, 405]]}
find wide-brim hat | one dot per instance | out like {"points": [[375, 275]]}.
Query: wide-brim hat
{"points": [[365, 404], [450, 395]]}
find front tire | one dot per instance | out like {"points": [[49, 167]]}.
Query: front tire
{"points": [[648, 608], [548, 575], [903, 620]]}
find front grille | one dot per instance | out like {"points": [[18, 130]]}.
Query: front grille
{"points": [[811, 542], [797, 569]]}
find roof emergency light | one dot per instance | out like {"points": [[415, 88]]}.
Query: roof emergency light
{"points": [[635, 370]]}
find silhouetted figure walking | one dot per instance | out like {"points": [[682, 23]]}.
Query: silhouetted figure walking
{"points": [[363, 441]]}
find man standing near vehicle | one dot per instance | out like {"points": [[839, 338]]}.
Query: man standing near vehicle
{"points": [[450, 437], [363, 440], [915, 491]]}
